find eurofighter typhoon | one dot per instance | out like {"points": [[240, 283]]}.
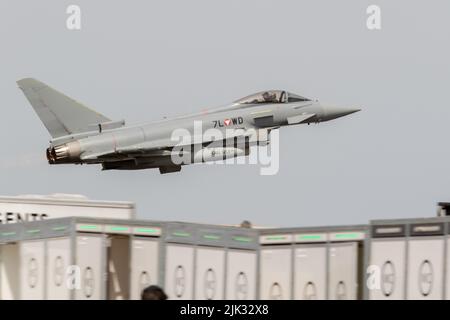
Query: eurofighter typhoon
{"points": [[83, 136]]}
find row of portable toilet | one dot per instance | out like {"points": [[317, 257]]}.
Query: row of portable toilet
{"points": [[312, 263], [85, 258], [387, 259], [408, 259], [82, 258]]}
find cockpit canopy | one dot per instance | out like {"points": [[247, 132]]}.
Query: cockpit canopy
{"points": [[271, 96]]}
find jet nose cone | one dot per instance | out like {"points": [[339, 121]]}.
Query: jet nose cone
{"points": [[337, 112]]}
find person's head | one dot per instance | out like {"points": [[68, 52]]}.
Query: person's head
{"points": [[153, 293], [269, 97]]}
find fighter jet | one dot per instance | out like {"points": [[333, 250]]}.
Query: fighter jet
{"points": [[83, 136]]}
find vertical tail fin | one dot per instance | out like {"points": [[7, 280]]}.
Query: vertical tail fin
{"points": [[60, 114]]}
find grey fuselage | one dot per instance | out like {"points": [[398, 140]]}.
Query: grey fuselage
{"points": [[149, 145], [112, 140], [82, 135]]}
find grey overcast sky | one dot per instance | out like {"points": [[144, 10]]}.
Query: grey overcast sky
{"points": [[143, 60]]}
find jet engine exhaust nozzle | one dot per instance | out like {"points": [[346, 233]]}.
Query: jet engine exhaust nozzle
{"points": [[65, 153]]}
